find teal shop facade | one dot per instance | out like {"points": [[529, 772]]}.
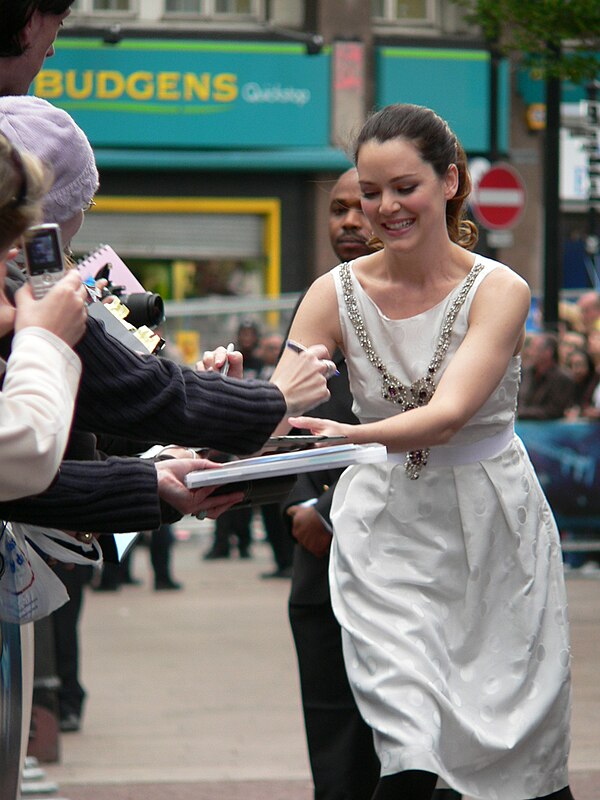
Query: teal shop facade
{"points": [[195, 122]]}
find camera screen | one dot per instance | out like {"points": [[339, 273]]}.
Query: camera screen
{"points": [[43, 253]]}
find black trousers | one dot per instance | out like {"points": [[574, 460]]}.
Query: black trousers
{"points": [[343, 761], [65, 621], [418, 785], [278, 536], [234, 523], [161, 542], [340, 744]]}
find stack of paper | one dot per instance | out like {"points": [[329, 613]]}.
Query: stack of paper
{"points": [[269, 466]]}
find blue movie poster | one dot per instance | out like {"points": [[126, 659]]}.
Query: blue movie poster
{"points": [[566, 456]]}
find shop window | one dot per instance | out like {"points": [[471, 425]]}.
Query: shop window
{"points": [[188, 248], [184, 6], [213, 260], [104, 6], [230, 9], [403, 12], [112, 5]]}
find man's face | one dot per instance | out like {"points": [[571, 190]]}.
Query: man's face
{"points": [[569, 342], [38, 39], [540, 354], [270, 348], [589, 309], [247, 339], [348, 227]]}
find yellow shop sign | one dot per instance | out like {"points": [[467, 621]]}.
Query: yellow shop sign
{"points": [[190, 93], [89, 84]]}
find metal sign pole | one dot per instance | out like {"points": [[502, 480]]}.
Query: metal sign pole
{"points": [[592, 242]]}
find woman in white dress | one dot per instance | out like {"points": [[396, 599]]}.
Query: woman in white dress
{"points": [[446, 572]]}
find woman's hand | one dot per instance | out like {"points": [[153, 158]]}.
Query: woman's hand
{"points": [[215, 360], [323, 427], [302, 378], [172, 488], [63, 311]]}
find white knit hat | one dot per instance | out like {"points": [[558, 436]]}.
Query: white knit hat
{"points": [[38, 127]]}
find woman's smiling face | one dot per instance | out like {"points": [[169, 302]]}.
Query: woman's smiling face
{"points": [[402, 196]]}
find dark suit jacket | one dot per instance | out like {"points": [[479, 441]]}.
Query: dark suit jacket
{"points": [[310, 584], [545, 397]]}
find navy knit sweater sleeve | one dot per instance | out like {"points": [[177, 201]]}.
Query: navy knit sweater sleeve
{"points": [[154, 399], [113, 496]]}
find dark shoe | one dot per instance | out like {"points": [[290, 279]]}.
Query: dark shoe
{"points": [[160, 586], [284, 572], [129, 581], [245, 554], [212, 555], [70, 723]]}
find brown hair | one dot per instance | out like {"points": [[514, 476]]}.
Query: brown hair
{"points": [[23, 184], [15, 14], [438, 146]]}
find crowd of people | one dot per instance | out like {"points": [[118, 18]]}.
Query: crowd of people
{"points": [[561, 381], [410, 568], [561, 371]]}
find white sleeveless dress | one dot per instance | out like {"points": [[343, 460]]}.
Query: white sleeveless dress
{"points": [[449, 589]]}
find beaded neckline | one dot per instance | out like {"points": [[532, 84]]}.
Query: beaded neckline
{"points": [[419, 392]]}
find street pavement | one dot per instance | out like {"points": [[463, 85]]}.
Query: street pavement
{"points": [[193, 694]]}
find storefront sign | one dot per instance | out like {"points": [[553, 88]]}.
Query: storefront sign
{"points": [[532, 87], [146, 93], [453, 82]]}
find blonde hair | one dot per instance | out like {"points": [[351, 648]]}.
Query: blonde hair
{"points": [[23, 183]]}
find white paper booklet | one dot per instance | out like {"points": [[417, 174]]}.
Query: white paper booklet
{"points": [[270, 466]]}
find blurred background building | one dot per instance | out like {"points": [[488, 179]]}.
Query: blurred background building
{"points": [[218, 126]]}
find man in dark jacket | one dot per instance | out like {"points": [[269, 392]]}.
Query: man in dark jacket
{"points": [[546, 390]]}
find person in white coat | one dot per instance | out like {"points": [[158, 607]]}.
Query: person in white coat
{"points": [[41, 376]]}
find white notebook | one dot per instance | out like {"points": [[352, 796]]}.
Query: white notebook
{"points": [[270, 466]]}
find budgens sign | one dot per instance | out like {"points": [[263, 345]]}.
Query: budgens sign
{"points": [[192, 94]]}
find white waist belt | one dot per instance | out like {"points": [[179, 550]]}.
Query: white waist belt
{"points": [[456, 455]]}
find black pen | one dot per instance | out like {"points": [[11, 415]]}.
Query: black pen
{"points": [[299, 348]]}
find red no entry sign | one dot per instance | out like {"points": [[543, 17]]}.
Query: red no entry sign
{"points": [[498, 199]]}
